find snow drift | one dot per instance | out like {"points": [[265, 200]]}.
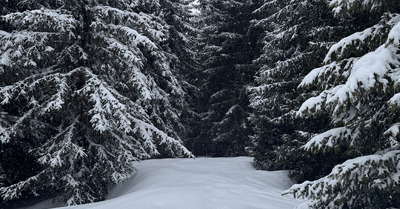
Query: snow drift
{"points": [[223, 183]]}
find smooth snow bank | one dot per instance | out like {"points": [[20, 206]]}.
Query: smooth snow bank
{"points": [[201, 183]]}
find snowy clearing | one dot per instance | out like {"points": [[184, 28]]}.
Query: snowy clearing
{"points": [[212, 183]]}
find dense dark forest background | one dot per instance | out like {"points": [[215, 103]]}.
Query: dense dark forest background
{"points": [[89, 86]]}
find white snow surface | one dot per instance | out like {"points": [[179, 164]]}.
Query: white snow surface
{"points": [[200, 183]]}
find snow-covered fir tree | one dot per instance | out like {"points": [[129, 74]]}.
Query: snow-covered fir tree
{"points": [[358, 88], [183, 48], [86, 88], [226, 51], [295, 36]]}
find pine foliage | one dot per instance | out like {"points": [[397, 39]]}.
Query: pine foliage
{"points": [[86, 88]]}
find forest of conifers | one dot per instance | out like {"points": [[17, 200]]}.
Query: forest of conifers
{"points": [[311, 86]]}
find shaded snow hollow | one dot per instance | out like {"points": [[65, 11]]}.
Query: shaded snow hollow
{"points": [[201, 183]]}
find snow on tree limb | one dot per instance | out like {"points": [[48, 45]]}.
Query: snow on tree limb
{"points": [[327, 139], [348, 7], [371, 173], [14, 191], [370, 36], [365, 74]]}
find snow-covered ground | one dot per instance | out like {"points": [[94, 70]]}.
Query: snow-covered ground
{"points": [[201, 183]]}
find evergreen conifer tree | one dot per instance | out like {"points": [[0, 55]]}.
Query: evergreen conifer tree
{"points": [[358, 91], [226, 52], [86, 88], [295, 35]]}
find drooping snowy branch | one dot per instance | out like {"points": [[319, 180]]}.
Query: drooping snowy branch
{"points": [[346, 8], [350, 83], [376, 176]]}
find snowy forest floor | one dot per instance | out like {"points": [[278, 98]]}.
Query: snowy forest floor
{"points": [[212, 183]]}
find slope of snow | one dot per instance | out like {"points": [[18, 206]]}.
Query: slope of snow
{"points": [[212, 183]]}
